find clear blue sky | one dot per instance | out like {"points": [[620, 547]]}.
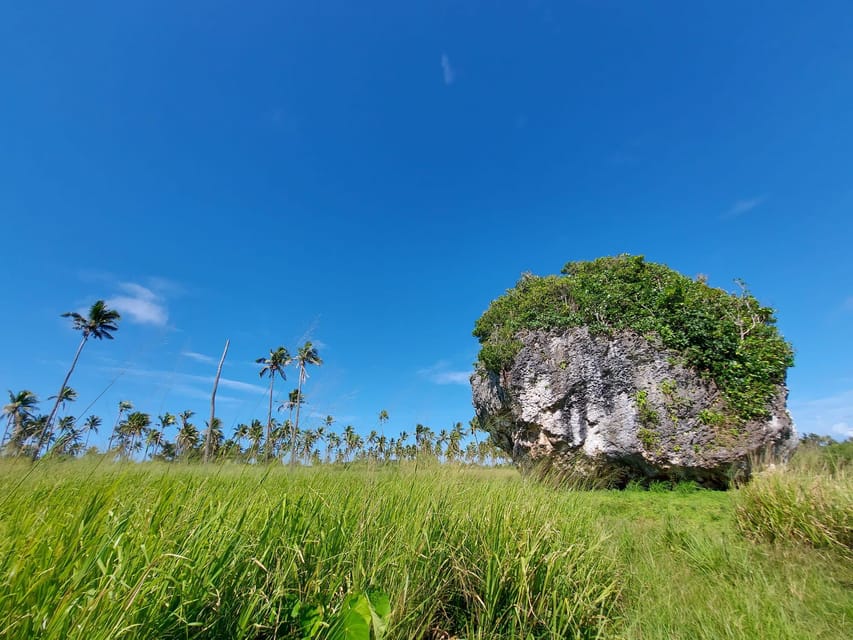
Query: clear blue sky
{"points": [[369, 175]]}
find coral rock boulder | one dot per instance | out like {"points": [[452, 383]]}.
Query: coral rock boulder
{"points": [[620, 404], [625, 370]]}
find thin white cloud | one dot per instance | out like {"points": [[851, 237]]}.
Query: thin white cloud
{"points": [[742, 207], [172, 377], [198, 357], [200, 394], [239, 386], [848, 304], [140, 305], [452, 377], [830, 415], [441, 373], [447, 70]]}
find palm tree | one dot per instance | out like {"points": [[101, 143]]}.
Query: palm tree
{"points": [[91, 424], [152, 439], [136, 425], [306, 355], [123, 407], [68, 442], [66, 395], [333, 444], [351, 439], [293, 398], [240, 433], [454, 439], [372, 439], [213, 436], [164, 422], [187, 439], [255, 435], [17, 412], [99, 324], [327, 431], [274, 364]]}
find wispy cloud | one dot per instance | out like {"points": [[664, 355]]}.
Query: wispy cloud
{"points": [[441, 373], [848, 304], [831, 415], [742, 207], [140, 305], [198, 357], [175, 378], [201, 394], [447, 70]]}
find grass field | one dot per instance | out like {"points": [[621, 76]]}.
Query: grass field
{"points": [[94, 550]]}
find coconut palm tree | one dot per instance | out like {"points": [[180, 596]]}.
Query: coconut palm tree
{"points": [[213, 435], [123, 407], [98, 324], [188, 436], [68, 441], [18, 411], [256, 436], [136, 426], [333, 444], [91, 424], [454, 440], [351, 440], [274, 364], [66, 395], [306, 355], [153, 438], [164, 422]]}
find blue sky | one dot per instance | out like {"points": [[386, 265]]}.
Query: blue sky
{"points": [[370, 175]]}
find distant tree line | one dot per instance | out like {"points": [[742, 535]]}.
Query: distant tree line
{"points": [[174, 437]]}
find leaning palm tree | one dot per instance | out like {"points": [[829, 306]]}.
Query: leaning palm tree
{"points": [[164, 422], [306, 355], [274, 364], [67, 395], [91, 424], [136, 426], [99, 324], [17, 412], [123, 407]]}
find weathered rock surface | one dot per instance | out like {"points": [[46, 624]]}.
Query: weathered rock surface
{"points": [[620, 404]]}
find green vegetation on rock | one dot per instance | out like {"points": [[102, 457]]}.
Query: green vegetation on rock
{"points": [[731, 338]]}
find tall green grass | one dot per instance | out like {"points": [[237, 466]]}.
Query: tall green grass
{"points": [[170, 551], [808, 501]]}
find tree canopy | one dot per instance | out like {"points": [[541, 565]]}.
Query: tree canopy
{"points": [[728, 337]]}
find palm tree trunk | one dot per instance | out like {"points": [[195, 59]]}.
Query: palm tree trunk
{"points": [[268, 450], [5, 433], [47, 427], [295, 426], [213, 404]]}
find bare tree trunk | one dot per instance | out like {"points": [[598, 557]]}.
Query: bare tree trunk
{"points": [[267, 448], [48, 425], [206, 456], [295, 426]]}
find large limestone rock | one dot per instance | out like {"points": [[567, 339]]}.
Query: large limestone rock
{"points": [[622, 405]]}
